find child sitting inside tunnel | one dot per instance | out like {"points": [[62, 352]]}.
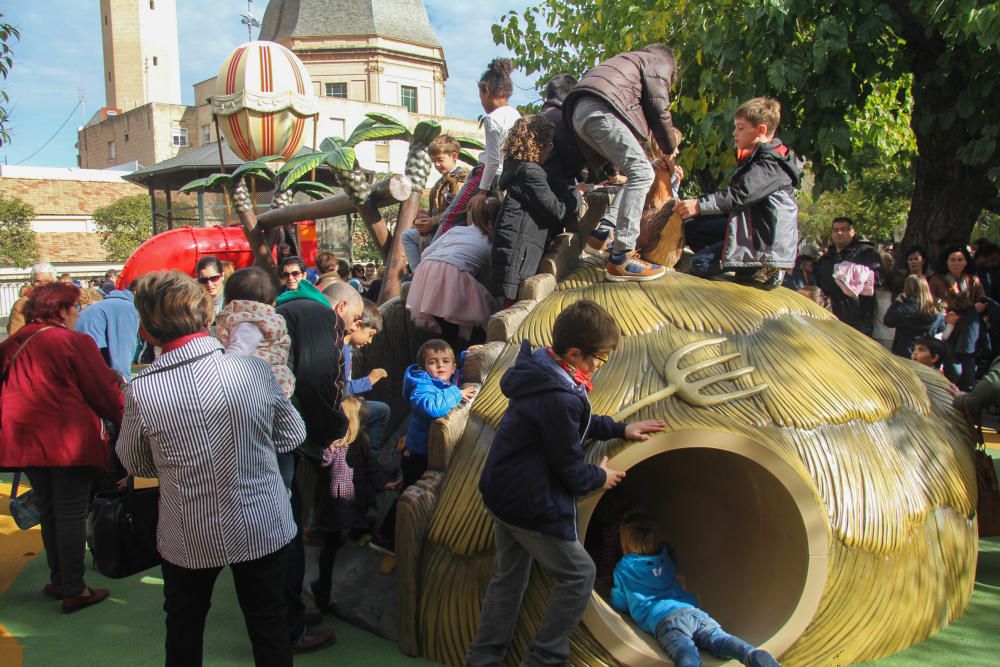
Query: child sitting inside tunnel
{"points": [[646, 587]]}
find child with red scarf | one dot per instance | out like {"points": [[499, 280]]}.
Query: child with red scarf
{"points": [[533, 474], [751, 226]]}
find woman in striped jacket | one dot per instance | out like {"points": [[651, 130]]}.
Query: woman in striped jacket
{"points": [[209, 425]]}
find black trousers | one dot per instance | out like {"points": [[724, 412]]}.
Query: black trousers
{"points": [[63, 495], [260, 588], [413, 466]]}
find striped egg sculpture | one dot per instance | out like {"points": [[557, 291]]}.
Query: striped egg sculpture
{"points": [[263, 98]]}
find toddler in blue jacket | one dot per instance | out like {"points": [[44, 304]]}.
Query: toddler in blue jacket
{"points": [[646, 587], [533, 475]]}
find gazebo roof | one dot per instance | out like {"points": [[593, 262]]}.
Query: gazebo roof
{"points": [[198, 163], [400, 19]]}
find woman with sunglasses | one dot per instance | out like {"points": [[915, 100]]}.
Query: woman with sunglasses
{"points": [[56, 389], [209, 273]]}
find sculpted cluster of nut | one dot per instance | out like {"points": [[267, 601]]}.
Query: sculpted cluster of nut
{"points": [[241, 198], [355, 184]]}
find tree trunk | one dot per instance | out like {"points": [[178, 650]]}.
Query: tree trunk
{"points": [[948, 195], [254, 232], [395, 259]]}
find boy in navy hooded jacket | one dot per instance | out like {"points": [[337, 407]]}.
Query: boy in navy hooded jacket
{"points": [[646, 587], [533, 474]]}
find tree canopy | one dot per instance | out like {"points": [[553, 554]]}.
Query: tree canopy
{"points": [[864, 84], [8, 33], [124, 225], [18, 243]]}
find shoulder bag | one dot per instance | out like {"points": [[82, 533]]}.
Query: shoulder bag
{"points": [[23, 508]]}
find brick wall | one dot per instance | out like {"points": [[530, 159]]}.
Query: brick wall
{"points": [[62, 197], [70, 247]]}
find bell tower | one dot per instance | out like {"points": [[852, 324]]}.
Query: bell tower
{"points": [[141, 59]]}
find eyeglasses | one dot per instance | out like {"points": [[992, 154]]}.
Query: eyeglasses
{"points": [[291, 274], [204, 280], [601, 359]]}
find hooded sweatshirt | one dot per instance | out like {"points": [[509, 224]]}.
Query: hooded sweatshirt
{"points": [[536, 469], [647, 588]]}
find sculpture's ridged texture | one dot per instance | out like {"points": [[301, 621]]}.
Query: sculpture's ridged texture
{"points": [[880, 454]]}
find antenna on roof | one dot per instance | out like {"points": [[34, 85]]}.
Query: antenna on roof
{"points": [[249, 20]]}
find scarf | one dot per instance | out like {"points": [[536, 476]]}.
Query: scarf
{"points": [[578, 376]]}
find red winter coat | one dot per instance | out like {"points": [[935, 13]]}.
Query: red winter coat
{"points": [[50, 403]]}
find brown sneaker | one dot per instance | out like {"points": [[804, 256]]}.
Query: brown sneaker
{"points": [[314, 639], [630, 266], [599, 241]]}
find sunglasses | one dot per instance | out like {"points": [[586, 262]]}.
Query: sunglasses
{"points": [[204, 280], [291, 274]]}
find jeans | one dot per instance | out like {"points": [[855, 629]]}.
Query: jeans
{"points": [[63, 496], [683, 632], [378, 419], [411, 247], [188, 595], [567, 562], [611, 138]]}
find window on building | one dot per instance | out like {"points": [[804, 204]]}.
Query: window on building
{"points": [[112, 151], [338, 128], [156, 61], [180, 136], [206, 134], [105, 19], [109, 75], [152, 4], [408, 98], [338, 89]]}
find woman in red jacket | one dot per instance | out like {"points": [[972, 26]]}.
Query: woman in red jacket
{"points": [[56, 390]]}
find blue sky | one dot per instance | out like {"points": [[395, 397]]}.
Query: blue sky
{"points": [[59, 55]]}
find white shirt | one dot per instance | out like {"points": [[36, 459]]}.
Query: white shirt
{"points": [[496, 125]]}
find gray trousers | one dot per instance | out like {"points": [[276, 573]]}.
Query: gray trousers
{"points": [[63, 496], [611, 138], [567, 562]]}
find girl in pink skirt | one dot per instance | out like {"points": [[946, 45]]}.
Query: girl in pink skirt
{"points": [[445, 295]]}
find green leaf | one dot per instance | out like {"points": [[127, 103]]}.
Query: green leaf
{"points": [[313, 186], [376, 132], [220, 179], [330, 143], [196, 184], [467, 157], [383, 118], [426, 131], [342, 159], [470, 142], [300, 167]]}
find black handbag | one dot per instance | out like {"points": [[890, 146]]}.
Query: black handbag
{"points": [[121, 530], [23, 508]]}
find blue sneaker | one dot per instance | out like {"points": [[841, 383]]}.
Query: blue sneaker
{"points": [[629, 266], [599, 241], [761, 658]]}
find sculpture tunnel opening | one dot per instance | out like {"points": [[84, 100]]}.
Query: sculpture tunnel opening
{"points": [[746, 532]]}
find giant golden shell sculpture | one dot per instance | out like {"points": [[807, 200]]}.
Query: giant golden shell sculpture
{"points": [[818, 492]]}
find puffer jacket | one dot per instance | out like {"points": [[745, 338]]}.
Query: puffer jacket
{"points": [[636, 85], [531, 212], [905, 317], [762, 214]]}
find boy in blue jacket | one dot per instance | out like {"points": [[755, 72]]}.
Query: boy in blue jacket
{"points": [[646, 587], [533, 474]]}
